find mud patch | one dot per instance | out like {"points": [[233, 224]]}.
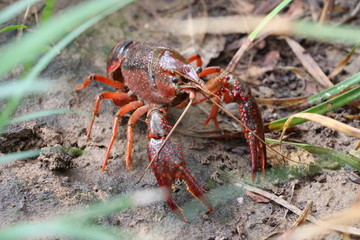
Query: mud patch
{"points": [[29, 136], [56, 158], [56, 152]]}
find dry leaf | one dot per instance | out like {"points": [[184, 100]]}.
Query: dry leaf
{"points": [[357, 145], [311, 231], [255, 71], [271, 58], [211, 48], [325, 121], [309, 63], [298, 72], [281, 101]]}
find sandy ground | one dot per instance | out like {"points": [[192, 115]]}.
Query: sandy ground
{"points": [[56, 183]]}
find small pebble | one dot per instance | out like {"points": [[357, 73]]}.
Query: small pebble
{"points": [[354, 177]]}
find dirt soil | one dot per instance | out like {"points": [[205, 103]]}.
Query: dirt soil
{"points": [[58, 182]]}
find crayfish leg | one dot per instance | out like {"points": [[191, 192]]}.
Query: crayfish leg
{"points": [[99, 78], [196, 58], [120, 97], [130, 133], [120, 113], [213, 114]]}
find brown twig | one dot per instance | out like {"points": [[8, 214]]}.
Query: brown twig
{"points": [[326, 12], [299, 221], [282, 202], [357, 145]]}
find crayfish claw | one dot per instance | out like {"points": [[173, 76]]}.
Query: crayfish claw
{"points": [[168, 166], [250, 117], [172, 204], [257, 147], [194, 188]]}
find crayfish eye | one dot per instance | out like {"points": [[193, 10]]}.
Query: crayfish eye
{"points": [[198, 70], [175, 79]]}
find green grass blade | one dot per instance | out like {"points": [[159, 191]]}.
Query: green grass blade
{"points": [[45, 60], [338, 88], [327, 32], [268, 17], [16, 91], [15, 9], [69, 229], [30, 46], [218, 197], [333, 155], [10, 157], [285, 173], [48, 10], [76, 225], [40, 114], [326, 153], [245, 45], [100, 210], [11, 106], [23, 88], [13, 27], [330, 105], [120, 203]]}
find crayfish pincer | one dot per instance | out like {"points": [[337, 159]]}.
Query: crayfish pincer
{"points": [[149, 79]]}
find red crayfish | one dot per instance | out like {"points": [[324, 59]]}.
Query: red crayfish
{"points": [[150, 78]]}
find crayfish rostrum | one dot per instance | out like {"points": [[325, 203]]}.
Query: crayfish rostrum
{"points": [[150, 78]]}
